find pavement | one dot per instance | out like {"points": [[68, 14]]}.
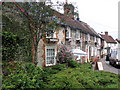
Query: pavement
{"points": [[109, 68]]}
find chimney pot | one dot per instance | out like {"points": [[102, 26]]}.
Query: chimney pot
{"points": [[106, 33]]}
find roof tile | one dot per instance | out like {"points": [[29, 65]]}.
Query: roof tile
{"points": [[118, 40], [108, 39]]}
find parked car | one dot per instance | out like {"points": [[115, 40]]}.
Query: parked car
{"points": [[113, 59], [114, 62]]}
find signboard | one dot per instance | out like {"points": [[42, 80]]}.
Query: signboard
{"points": [[98, 66]]}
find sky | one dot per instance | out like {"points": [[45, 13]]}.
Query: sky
{"points": [[101, 15]]}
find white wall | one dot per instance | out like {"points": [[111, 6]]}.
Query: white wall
{"points": [[118, 51]]}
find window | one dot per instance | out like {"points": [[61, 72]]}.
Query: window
{"points": [[88, 35], [50, 55], [77, 35], [95, 39], [68, 33], [78, 43], [68, 41], [51, 34]]}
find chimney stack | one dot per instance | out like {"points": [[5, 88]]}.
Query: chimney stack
{"points": [[66, 2], [106, 33], [69, 10]]}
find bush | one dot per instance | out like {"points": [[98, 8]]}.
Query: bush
{"points": [[63, 80], [24, 76], [72, 63], [27, 75], [54, 69], [49, 71], [59, 67], [59, 76], [83, 77]]}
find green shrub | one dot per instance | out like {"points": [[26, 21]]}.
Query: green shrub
{"points": [[24, 76], [83, 77], [28, 75], [59, 67], [59, 76], [72, 63], [63, 81], [21, 81], [49, 71]]}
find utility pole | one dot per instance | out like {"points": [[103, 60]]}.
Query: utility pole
{"points": [[118, 50]]}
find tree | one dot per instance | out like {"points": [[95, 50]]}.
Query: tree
{"points": [[9, 46], [38, 16]]}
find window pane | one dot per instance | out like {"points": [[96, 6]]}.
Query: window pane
{"points": [[50, 56]]}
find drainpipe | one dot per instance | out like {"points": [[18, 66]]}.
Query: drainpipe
{"points": [[88, 52]]}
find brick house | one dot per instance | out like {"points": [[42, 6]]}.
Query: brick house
{"points": [[70, 32]]}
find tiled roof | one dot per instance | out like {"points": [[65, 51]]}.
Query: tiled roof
{"points": [[82, 26], [108, 38], [118, 40], [89, 29]]}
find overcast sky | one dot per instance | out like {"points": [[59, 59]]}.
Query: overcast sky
{"points": [[101, 15]]}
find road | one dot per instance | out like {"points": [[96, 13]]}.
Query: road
{"points": [[107, 67]]}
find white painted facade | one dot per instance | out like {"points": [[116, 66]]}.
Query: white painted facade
{"points": [[112, 46]]}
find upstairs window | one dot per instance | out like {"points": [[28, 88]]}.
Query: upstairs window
{"points": [[88, 36], [51, 34], [77, 35], [95, 39], [68, 33]]}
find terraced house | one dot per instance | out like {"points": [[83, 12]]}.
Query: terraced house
{"points": [[110, 44], [71, 32]]}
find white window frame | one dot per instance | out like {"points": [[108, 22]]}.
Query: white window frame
{"points": [[83, 36], [99, 41], [88, 36], [69, 33], [50, 47], [54, 35], [77, 35], [95, 39]]}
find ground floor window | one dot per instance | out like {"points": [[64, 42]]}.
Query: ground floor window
{"points": [[50, 55]]}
